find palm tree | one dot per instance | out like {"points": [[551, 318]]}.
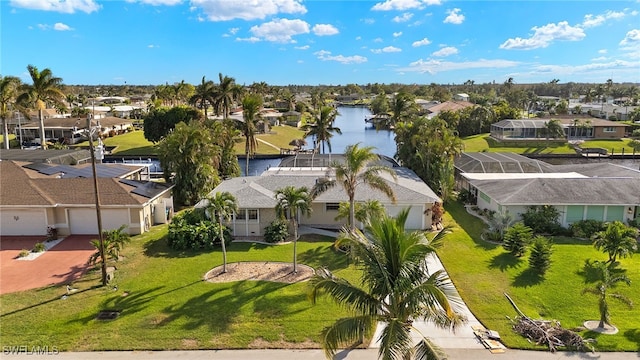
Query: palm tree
{"points": [[226, 92], [46, 88], [364, 211], [402, 107], [204, 96], [114, 241], [9, 86], [290, 202], [553, 129], [221, 206], [601, 290], [322, 130], [395, 289], [618, 240], [250, 113], [357, 169]]}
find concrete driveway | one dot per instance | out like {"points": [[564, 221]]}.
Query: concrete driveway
{"points": [[62, 264]]}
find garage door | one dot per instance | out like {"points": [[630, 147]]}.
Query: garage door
{"points": [[23, 222], [414, 220], [84, 221]]}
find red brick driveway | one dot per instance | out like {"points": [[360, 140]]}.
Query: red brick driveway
{"points": [[61, 264]]}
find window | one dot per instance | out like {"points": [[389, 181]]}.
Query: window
{"points": [[241, 214], [253, 214], [332, 206], [609, 129]]}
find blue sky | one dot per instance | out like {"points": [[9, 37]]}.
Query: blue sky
{"points": [[322, 42]]}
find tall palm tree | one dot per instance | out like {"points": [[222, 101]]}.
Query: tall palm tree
{"points": [[9, 86], [46, 88], [222, 206], [290, 202], [601, 290], [617, 240], [395, 288], [250, 112], [553, 129], [364, 211], [357, 169], [226, 92], [204, 96], [322, 130], [402, 107]]}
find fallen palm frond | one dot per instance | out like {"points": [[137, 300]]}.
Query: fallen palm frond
{"points": [[549, 333]]}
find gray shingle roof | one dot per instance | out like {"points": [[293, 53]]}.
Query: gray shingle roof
{"points": [[584, 191]]}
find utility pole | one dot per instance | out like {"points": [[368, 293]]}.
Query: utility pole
{"points": [[103, 257]]}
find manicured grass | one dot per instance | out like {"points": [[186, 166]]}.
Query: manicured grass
{"points": [[280, 137], [483, 272], [131, 143], [482, 142], [169, 306]]}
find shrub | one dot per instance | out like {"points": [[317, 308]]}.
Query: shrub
{"points": [[24, 253], [540, 258], [493, 236], [635, 223], [39, 247], [586, 228], [466, 197], [542, 219], [190, 230], [516, 239], [277, 231]]}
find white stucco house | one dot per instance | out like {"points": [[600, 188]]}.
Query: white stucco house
{"points": [[256, 198]]}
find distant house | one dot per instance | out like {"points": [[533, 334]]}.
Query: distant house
{"points": [[461, 97], [582, 128], [507, 182], [447, 106], [35, 196], [256, 198], [70, 130]]}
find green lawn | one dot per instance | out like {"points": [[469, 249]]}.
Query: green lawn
{"points": [[131, 143], [280, 137], [483, 272], [169, 306], [482, 142]]}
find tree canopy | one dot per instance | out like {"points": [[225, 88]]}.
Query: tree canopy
{"points": [[160, 121]]}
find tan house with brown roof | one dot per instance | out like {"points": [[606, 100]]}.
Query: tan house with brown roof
{"points": [[34, 197]]}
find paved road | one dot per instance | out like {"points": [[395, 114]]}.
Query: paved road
{"points": [[368, 354]]}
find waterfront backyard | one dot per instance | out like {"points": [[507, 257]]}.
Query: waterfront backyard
{"points": [[165, 304]]}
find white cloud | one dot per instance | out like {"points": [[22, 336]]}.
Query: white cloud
{"points": [[325, 30], [152, 46], [43, 26], [280, 30], [543, 36], [305, 47], [587, 68], [454, 17], [224, 10], [378, 40], [251, 39], [61, 27], [388, 49], [61, 6], [404, 4], [326, 56], [432, 66], [358, 37], [631, 38], [233, 31], [601, 58], [602, 51], [397, 34], [445, 51], [157, 2], [404, 18], [369, 21], [591, 20], [422, 42]]}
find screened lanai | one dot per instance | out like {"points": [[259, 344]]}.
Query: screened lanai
{"points": [[519, 129], [488, 162]]}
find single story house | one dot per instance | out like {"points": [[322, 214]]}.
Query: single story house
{"points": [[256, 198], [70, 130], [511, 182], [35, 196], [581, 128], [447, 106]]}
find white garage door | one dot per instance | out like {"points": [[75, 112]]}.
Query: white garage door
{"points": [[414, 220], [84, 221], [23, 222]]}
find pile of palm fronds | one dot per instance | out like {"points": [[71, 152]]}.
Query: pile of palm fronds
{"points": [[549, 333]]}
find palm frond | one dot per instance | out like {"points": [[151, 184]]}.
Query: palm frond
{"points": [[395, 340], [343, 292], [427, 350], [345, 332]]}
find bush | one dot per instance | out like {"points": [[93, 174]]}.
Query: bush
{"points": [[586, 228], [493, 236], [540, 258], [277, 231], [516, 239], [635, 223], [24, 253], [466, 197], [542, 219], [39, 247], [191, 230]]}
